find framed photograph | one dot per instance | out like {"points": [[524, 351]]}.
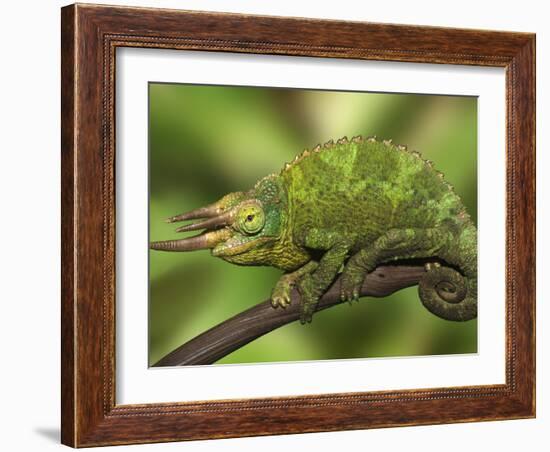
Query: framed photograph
{"points": [[282, 225]]}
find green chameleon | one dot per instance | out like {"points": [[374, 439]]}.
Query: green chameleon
{"points": [[346, 207]]}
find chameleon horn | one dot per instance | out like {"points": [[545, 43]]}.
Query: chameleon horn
{"points": [[198, 242], [201, 212], [211, 210], [210, 223]]}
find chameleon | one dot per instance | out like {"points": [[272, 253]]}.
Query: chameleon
{"points": [[345, 207]]}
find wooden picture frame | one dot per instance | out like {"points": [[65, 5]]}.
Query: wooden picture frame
{"points": [[90, 37]]}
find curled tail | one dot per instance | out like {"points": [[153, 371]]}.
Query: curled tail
{"points": [[448, 294]]}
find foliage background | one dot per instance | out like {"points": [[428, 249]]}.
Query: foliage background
{"points": [[206, 141]]}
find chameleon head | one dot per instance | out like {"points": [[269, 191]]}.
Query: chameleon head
{"points": [[239, 228]]}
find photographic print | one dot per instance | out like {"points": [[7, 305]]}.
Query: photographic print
{"points": [[292, 195], [266, 231]]}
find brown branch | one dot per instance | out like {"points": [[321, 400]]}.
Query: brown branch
{"points": [[230, 335]]}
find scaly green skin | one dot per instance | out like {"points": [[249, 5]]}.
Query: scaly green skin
{"points": [[355, 204]]}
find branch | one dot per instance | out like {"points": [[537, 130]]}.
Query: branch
{"points": [[232, 334]]}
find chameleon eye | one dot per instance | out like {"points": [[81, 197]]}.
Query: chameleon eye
{"points": [[252, 219]]}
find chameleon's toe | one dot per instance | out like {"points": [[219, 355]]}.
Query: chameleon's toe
{"points": [[280, 300], [431, 265], [306, 316]]}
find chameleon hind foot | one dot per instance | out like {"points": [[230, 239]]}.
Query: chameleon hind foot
{"points": [[350, 285]]}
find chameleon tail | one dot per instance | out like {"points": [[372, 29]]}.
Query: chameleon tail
{"points": [[448, 294]]}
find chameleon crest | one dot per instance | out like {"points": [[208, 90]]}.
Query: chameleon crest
{"points": [[345, 207]]}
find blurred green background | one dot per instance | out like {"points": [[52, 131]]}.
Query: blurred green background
{"points": [[206, 141]]}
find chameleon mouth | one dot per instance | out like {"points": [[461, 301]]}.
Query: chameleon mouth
{"points": [[235, 246]]}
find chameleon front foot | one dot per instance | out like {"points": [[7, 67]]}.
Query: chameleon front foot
{"points": [[280, 296]]}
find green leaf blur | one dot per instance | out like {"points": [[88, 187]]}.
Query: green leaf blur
{"points": [[206, 141]]}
